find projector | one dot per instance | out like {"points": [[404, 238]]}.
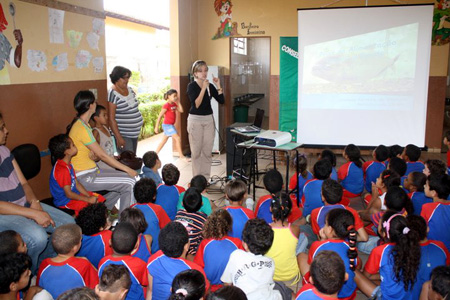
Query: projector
{"points": [[273, 138]]}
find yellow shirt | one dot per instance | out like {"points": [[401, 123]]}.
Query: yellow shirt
{"points": [[283, 254], [81, 134]]}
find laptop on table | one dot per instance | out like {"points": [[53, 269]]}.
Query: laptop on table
{"points": [[256, 127]]}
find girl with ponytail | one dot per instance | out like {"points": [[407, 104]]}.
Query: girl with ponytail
{"points": [[396, 262], [351, 174], [188, 285], [283, 250], [338, 235]]}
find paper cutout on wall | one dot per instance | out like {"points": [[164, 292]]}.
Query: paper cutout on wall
{"points": [[441, 23], [97, 63], [55, 25], [37, 60], [92, 39], [82, 59], [227, 28], [98, 26], [74, 38], [60, 62]]}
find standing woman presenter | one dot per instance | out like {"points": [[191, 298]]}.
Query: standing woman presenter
{"points": [[200, 120]]}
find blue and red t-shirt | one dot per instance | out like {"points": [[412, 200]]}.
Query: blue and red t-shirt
{"points": [[309, 292], [414, 166], [262, 210], [167, 197], [138, 274], [156, 218], [62, 174], [312, 196], [372, 170], [240, 216], [351, 177], [163, 269], [319, 215], [418, 199], [213, 255], [95, 247], [59, 277], [143, 251], [438, 217], [340, 247], [301, 182]]}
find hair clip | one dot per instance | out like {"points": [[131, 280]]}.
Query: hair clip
{"points": [[387, 224], [406, 230], [386, 176], [350, 227], [182, 291]]}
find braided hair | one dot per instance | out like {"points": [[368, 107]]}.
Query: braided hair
{"points": [[343, 223], [281, 206]]}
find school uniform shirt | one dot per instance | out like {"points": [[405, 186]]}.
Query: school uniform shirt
{"points": [[448, 161], [194, 223], [418, 199], [381, 261], [138, 274], [143, 251], [170, 115], [213, 256], [95, 247], [433, 254], [58, 277], [376, 218], [340, 247], [414, 166], [206, 205], [253, 274], [438, 217], [301, 182], [351, 177], [372, 170], [334, 174], [319, 215], [309, 292], [163, 269], [167, 196], [156, 218], [262, 210], [153, 175], [240, 216], [312, 197], [62, 174]]}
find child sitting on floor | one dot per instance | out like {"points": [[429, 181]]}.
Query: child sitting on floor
{"points": [[95, 242], [328, 154], [136, 218], [350, 174], [415, 184], [165, 264], [123, 242], [65, 271], [434, 166], [156, 217], [167, 194], [199, 182], [411, 155], [151, 167], [11, 242], [438, 288], [189, 285], [303, 176], [114, 283], [66, 190], [236, 193], [372, 169], [312, 191]]}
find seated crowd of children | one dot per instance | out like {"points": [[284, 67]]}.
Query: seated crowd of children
{"points": [[176, 244]]}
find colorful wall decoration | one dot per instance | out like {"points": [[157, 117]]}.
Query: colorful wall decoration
{"points": [[227, 27], [441, 23]]}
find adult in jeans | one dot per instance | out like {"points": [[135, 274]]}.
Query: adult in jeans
{"points": [[118, 184], [124, 116], [200, 120], [21, 211]]}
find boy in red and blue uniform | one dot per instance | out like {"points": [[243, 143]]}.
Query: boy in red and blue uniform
{"points": [[65, 271], [165, 264], [415, 184], [236, 193], [437, 214], [372, 169], [96, 237], [156, 217], [123, 242], [167, 194], [312, 197], [136, 218], [273, 182], [411, 154], [67, 192]]}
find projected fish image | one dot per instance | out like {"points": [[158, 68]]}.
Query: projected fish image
{"points": [[345, 69]]}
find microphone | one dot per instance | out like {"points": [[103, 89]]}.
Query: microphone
{"points": [[207, 89]]}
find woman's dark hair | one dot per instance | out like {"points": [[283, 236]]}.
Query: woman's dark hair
{"points": [[436, 166], [406, 251], [328, 154], [228, 292], [397, 199], [322, 169], [218, 224], [192, 200], [188, 285], [281, 206], [354, 154], [395, 150], [343, 223], [390, 178], [92, 218], [418, 180], [118, 72], [135, 217], [169, 92], [81, 103], [381, 153]]}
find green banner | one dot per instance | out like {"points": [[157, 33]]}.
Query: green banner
{"points": [[288, 85]]}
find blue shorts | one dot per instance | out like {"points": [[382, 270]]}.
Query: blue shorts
{"points": [[169, 129]]}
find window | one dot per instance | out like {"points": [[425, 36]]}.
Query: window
{"points": [[240, 46]]}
